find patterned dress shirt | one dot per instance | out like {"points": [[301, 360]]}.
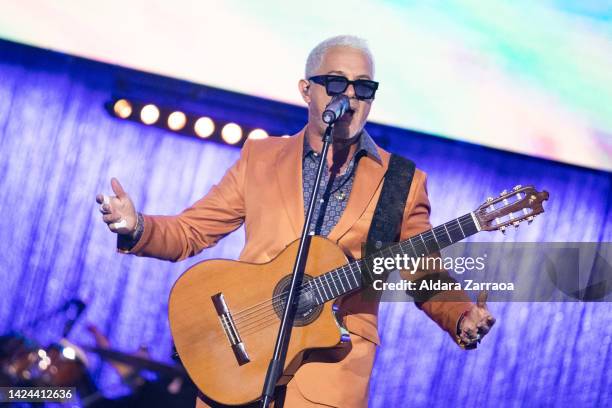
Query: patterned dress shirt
{"points": [[335, 189]]}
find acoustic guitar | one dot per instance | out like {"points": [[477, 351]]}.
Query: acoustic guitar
{"points": [[224, 315]]}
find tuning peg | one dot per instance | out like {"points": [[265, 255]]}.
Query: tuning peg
{"points": [[516, 224], [530, 219], [503, 192], [503, 229], [489, 199], [517, 187]]}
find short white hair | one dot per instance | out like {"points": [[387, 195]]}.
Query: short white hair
{"points": [[315, 58]]}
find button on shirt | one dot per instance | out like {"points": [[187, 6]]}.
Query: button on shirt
{"points": [[333, 194]]}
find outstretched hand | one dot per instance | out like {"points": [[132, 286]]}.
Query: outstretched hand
{"points": [[118, 211]]}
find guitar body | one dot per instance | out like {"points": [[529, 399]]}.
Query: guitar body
{"points": [[204, 337]]}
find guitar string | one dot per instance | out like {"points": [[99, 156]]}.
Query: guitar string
{"points": [[269, 312], [241, 317], [461, 223], [322, 284], [263, 320], [269, 316], [265, 316]]}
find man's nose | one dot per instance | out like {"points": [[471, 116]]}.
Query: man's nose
{"points": [[350, 91]]}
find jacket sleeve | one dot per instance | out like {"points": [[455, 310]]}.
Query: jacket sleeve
{"points": [[200, 226], [445, 307]]}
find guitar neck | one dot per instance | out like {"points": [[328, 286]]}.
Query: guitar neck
{"points": [[349, 277]]}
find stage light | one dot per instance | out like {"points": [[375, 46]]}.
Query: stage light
{"points": [[285, 136], [177, 120], [69, 353], [231, 133], [149, 114], [123, 108], [257, 134], [204, 127]]}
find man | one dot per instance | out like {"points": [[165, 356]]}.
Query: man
{"points": [[267, 188]]}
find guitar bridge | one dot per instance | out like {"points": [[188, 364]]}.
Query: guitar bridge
{"points": [[229, 327]]}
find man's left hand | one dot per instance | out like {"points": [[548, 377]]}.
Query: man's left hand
{"points": [[477, 322]]}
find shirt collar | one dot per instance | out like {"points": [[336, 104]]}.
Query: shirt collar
{"points": [[366, 145]]}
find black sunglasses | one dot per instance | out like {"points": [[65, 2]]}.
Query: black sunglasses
{"points": [[336, 85]]}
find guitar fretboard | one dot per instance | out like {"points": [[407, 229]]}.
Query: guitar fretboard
{"points": [[349, 277]]}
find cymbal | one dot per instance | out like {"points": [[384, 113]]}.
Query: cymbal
{"points": [[141, 363]]}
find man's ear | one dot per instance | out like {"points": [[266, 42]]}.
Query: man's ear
{"points": [[304, 88]]}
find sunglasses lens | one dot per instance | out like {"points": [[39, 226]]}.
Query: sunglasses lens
{"points": [[365, 89], [336, 85]]}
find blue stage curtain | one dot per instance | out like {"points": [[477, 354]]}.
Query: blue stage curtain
{"points": [[58, 148]]}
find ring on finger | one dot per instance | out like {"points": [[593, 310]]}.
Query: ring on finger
{"points": [[119, 224]]}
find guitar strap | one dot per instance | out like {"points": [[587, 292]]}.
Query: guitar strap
{"points": [[389, 211]]}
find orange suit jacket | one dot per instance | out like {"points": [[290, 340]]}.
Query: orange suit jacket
{"points": [[263, 190]]}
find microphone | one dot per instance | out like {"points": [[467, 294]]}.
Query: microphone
{"points": [[335, 108]]}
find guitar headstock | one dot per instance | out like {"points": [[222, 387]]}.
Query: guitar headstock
{"points": [[510, 208]]}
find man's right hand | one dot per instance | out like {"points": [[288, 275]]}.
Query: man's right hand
{"points": [[118, 210]]}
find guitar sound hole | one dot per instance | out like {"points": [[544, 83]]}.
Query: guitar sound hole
{"points": [[308, 311]]}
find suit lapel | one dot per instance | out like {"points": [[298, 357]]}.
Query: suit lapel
{"points": [[367, 179], [289, 178]]}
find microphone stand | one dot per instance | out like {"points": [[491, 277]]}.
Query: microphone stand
{"points": [[275, 369]]}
